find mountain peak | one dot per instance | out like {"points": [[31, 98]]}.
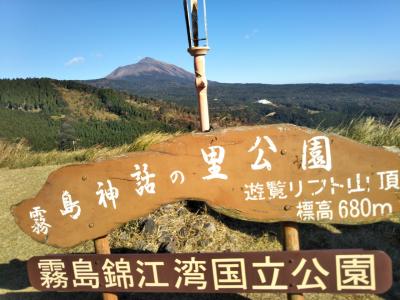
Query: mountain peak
{"points": [[148, 60], [150, 67]]}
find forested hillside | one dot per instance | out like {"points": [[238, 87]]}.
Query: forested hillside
{"points": [[307, 104], [302, 104], [253, 103], [66, 115]]}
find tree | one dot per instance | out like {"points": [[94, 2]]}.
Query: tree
{"points": [[66, 138]]}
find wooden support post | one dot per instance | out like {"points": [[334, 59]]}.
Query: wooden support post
{"points": [[102, 246], [291, 242], [291, 236], [201, 87]]}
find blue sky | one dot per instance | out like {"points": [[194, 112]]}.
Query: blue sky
{"points": [[267, 41]]}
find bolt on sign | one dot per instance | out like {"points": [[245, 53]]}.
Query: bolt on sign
{"points": [[264, 173], [326, 271]]}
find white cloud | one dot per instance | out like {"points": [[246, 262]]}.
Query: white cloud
{"points": [[75, 61], [251, 34], [98, 55]]}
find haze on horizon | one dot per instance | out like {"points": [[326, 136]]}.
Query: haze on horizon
{"points": [[257, 41]]}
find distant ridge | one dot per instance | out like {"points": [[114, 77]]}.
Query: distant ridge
{"points": [[382, 82], [150, 67], [306, 104]]}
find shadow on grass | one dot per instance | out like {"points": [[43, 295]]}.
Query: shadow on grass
{"points": [[50, 295], [121, 296], [14, 275]]}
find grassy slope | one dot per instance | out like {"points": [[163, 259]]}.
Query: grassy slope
{"points": [[190, 231], [16, 185]]}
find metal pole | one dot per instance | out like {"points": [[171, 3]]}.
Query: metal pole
{"points": [[188, 26], [194, 7], [103, 247], [205, 22], [291, 242]]}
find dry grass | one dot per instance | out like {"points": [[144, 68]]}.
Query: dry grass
{"points": [[84, 105], [19, 155], [191, 227], [370, 131]]}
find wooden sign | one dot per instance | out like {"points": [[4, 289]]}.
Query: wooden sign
{"points": [[265, 174], [329, 271]]}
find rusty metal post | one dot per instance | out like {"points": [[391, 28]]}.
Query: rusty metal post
{"points": [[102, 246], [291, 242]]}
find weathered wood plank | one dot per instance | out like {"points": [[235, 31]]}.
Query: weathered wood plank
{"points": [[322, 271], [266, 174]]}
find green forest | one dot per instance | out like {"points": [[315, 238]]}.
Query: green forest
{"points": [[311, 105], [66, 115], [43, 112]]}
